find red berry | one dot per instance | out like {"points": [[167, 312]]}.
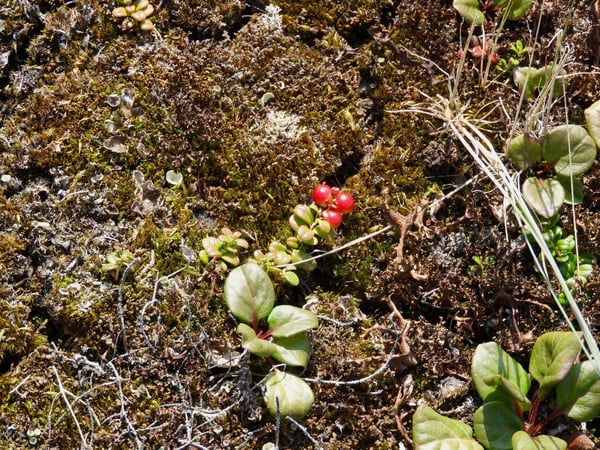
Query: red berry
{"points": [[321, 195], [344, 203], [333, 217]]}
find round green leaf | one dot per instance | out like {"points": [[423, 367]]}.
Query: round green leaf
{"points": [[572, 146], [574, 191], [293, 351], [517, 8], [552, 357], [469, 10], [434, 431], [288, 394], [579, 392], [592, 121], [249, 293], [544, 196], [494, 424], [287, 320], [489, 365], [524, 151], [291, 278], [523, 441]]}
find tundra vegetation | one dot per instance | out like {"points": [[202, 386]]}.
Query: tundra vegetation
{"points": [[180, 266]]}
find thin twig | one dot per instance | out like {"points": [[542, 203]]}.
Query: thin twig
{"points": [[63, 393], [318, 444], [130, 428], [15, 390]]}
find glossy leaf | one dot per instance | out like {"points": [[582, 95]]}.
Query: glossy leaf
{"points": [[573, 189], [293, 351], [545, 197], [288, 394], [513, 392], [524, 151], [249, 293], [287, 320], [469, 10], [494, 424], [432, 431], [579, 392], [572, 146], [592, 121], [259, 347], [489, 361], [522, 441], [552, 357]]}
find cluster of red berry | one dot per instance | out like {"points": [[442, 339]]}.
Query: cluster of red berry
{"points": [[334, 203]]}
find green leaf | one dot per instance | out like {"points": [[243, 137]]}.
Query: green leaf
{"points": [[489, 361], [286, 321], [530, 80], [579, 392], [432, 431], [522, 441], [249, 293], [592, 121], [515, 8], [494, 424], [572, 146], [524, 151], [573, 196], [287, 393], [291, 278], [257, 346], [552, 357], [544, 196], [469, 10], [293, 351], [514, 392]]}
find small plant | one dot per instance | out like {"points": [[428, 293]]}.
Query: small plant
{"points": [[309, 223], [567, 152], [117, 261], [250, 297], [518, 50], [530, 80], [223, 249], [481, 264], [134, 12], [575, 268], [508, 419]]}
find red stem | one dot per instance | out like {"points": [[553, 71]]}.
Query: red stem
{"points": [[532, 428]]}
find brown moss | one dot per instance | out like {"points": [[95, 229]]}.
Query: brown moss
{"points": [[252, 115]]}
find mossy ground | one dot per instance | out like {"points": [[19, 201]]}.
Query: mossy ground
{"points": [[253, 109]]}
